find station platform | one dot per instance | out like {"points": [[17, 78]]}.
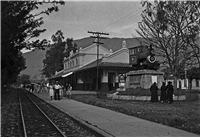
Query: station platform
{"points": [[110, 123]]}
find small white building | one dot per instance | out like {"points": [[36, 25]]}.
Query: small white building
{"points": [[184, 83]]}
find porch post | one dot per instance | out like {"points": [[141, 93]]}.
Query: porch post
{"points": [[104, 82]]}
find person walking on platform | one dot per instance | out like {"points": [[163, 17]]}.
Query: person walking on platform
{"points": [[163, 96], [61, 91], [154, 92], [57, 88], [66, 89], [170, 90], [32, 87], [39, 88], [46, 87], [51, 91], [69, 94]]}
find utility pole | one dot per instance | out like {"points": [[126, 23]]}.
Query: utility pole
{"points": [[97, 36]]}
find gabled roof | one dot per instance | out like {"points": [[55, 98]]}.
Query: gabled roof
{"points": [[84, 50], [118, 52], [88, 50], [90, 65], [104, 64]]}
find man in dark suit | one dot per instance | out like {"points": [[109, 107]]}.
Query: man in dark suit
{"points": [[170, 90]]}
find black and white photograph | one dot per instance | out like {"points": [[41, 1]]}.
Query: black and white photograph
{"points": [[100, 68]]}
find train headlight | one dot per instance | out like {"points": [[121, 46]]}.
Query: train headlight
{"points": [[151, 59]]}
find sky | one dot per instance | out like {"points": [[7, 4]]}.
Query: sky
{"points": [[75, 18]]}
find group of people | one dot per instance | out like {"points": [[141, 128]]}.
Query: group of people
{"points": [[166, 92], [57, 90], [37, 87]]}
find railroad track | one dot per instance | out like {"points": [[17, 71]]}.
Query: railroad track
{"points": [[43, 125], [26, 115]]}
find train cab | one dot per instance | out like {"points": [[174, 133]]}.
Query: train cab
{"points": [[143, 57]]}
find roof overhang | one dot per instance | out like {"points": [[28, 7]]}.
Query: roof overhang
{"points": [[65, 75]]}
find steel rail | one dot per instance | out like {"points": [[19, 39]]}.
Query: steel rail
{"points": [[46, 116], [22, 117]]}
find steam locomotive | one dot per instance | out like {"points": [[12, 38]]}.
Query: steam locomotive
{"points": [[143, 57]]}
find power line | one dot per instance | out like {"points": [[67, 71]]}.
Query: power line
{"points": [[128, 8], [122, 20]]}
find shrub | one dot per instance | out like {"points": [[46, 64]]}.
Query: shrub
{"points": [[146, 92], [135, 92], [192, 95]]}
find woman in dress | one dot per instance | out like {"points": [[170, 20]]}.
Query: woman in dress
{"points": [[69, 94], [51, 91], [61, 91]]}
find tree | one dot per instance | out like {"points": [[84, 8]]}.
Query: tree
{"points": [[19, 24], [193, 73], [58, 50], [70, 46], [23, 79], [54, 56], [173, 28], [11, 65]]}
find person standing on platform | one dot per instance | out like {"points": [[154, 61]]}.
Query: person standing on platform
{"points": [[57, 88], [45, 87], [163, 96], [35, 88], [154, 92], [32, 87], [51, 91], [39, 88], [66, 89], [61, 91], [170, 90], [69, 94]]}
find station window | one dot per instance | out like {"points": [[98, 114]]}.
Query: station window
{"points": [[77, 62], [139, 49], [132, 52], [197, 83]]}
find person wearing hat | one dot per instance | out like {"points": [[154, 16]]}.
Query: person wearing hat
{"points": [[170, 90], [163, 95], [154, 92]]}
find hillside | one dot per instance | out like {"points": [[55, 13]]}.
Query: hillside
{"points": [[34, 58], [34, 63], [110, 43]]}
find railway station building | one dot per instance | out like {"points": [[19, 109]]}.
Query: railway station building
{"points": [[80, 68]]}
